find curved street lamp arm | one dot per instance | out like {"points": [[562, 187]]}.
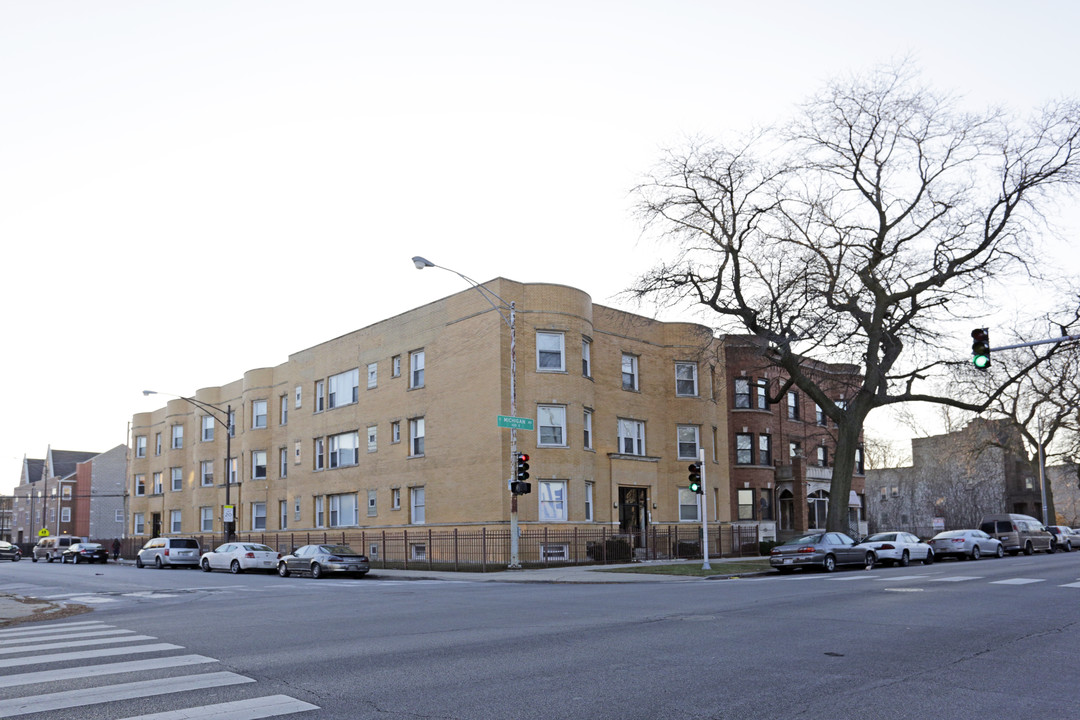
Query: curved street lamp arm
{"points": [[486, 293]]}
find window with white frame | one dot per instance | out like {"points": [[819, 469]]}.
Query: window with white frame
{"points": [[395, 499], [344, 449], [550, 352], [206, 519], [296, 452], [234, 468], [298, 395], [296, 509], [372, 375], [140, 484], [372, 507], [140, 446], [819, 415], [688, 506], [589, 492], [344, 388], [258, 516], [764, 449], [344, 510], [372, 438], [319, 453], [552, 500], [395, 366], [258, 464], [118, 515], [175, 525], [138, 525], [586, 357], [745, 498], [258, 414], [417, 511], [320, 395], [207, 428], [689, 441], [822, 456], [177, 437], [763, 394], [157, 443], [686, 379], [395, 432], [551, 422], [158, 488], [65, 514], [319, 511], [744, 449], [587, 423], [65, 492], [283, 462], [631, 437], [629, 372], [283, 410], [232, 423], [176, 479], [793, 405], [416, 369], [283, 514], [416, 437]]}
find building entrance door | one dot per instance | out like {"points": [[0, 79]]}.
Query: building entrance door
{"points": [[155, 525], [634, 514]]}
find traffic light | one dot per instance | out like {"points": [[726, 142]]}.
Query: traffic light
{"points": [[980, 348], [695, 478], [519, 486]]}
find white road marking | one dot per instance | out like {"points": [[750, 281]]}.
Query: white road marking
{"points": [[1016, 581], [87, 654], [903, 577], [52, 628], [42, 676], [73, 643], [957, 578], [252, 709], [1071, 585], [62, 635]]}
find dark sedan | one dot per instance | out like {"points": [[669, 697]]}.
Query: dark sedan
{"points": [[8, 551], [85, 552], [824, 550], [317, 560]]}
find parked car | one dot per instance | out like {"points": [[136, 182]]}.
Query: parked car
{"points": [[84, 552], [319, 559], [10, 551], [169, 552], [963, 544], [898, 548], [824, 550], [1065, 538], [1018, 533], [238, 557], [50, 548]]}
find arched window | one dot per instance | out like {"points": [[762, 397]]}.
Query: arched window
{"points": [[817, 509], [787, 510]]}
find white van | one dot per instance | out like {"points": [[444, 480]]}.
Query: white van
{"points": [[50, 548]]}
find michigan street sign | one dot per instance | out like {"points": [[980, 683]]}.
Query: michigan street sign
{"points": [[517, 423]]}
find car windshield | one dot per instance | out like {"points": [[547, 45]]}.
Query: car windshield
{"points": [[338, 550], [815, 538], [258, 548], [950, 534], [881, 537]]}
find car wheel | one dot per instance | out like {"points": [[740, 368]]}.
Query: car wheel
{"points": [[1028, 550], [905, 559], [283, 570], [1000, 552], [976, 553], [33, 558], [48, 558], [235, 568], [1050, 550], [829, 564], [138, 561], [205, 565], [157, 562], [929, 559], [75, 559], [316, 570], [1068, 546], [868, 563]]}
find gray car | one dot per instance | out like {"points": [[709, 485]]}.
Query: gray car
{"points": [[823, 550], [317, 560], [964, 544], [169, 552]]}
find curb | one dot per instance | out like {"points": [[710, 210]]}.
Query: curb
{"points": [[16, 609]]}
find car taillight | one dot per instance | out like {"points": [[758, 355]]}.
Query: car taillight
{"points": [[249, 555], [166, 553], [774, 551], [806, 549], [334, 558], [959, 540], [886, 546]]}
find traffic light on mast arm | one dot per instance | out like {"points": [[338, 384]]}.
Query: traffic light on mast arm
{"points": [[695, 478], [519, 486], [980, 348]]}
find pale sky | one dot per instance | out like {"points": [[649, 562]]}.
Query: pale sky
{"points": [[191, 190]]}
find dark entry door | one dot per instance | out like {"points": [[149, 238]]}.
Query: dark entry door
{"points": [[633, 513], [155, 525]]}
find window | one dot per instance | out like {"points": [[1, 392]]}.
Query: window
{"points": [[206, 473], [296, 509], [319, 453], [372, 508], [884, 494], [762, 394], [792, 405], [395, 366], [395, 499], [158, 488], [686, 379], [118, 516], [418, 551], [372, 374], [258, 516], [319, 511], [320, 396], [416, 369], [232, 423], [794, 450], [140, 484], [283, 514], [895, 490], [233, 469], [65, 514], [416, 505], [629, 372], [344, 449], [206, 519], [372, 438], [177, 437], [742, 393], [589, 487], [819, 415], [258, 465], [344, 388], [744, 449], [140, 446], [822, 456], [586, 357], [764, 449], [296, 452], [157, 443], [631, 437], [588, 429], [258, 414], [416, 437], [176, 479], [138, 526], [283, 462], [174, 521], [395, 432], [207, 424], [344, 510], [550, 352], [860, 468], [688, 440], [746, 504], [688, 506], [551, 420], [283, 410], [552, 500], [298, 394], [818, 509], [65, 492]]}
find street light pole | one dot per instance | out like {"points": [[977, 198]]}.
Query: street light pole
{"points": [[227, 423], [510, 318]]}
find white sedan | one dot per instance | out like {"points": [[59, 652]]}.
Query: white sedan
{"points": [[240, 556], [898, 548]]}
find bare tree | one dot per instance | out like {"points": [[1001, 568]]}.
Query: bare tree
{"points": [[858, 233]]}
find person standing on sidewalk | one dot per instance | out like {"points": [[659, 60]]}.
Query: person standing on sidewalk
{"points": [[116, 549]]}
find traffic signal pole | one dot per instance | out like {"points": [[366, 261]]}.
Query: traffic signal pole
{"points": [[704, 513]]}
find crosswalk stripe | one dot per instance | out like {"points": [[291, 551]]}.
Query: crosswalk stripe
{"points": [[74, 643], [1071, 585], [957, 578], [902, 577], [86, 654], [111, 693], [264, 707], [106, 669], [52, 628], [1016, 581], [61, 635]]}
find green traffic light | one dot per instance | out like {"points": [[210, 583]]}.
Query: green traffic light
{"points": [[695, 487], [981, 361]]}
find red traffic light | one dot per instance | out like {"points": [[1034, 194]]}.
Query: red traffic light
{"points": [[523, 457]]}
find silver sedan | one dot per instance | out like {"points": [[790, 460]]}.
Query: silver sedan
{"points": [[898, 548], [822, 550], [317, 560], [963, 544], [240, 556]]}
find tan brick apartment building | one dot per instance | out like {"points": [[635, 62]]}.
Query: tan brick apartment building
{"points": [[393, 426]]}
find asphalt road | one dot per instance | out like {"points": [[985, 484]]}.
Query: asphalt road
{"points": [[987, 639]]}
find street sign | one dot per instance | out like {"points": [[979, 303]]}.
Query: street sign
{"points": [[516, 423], [227, 516], [43, 532]]}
